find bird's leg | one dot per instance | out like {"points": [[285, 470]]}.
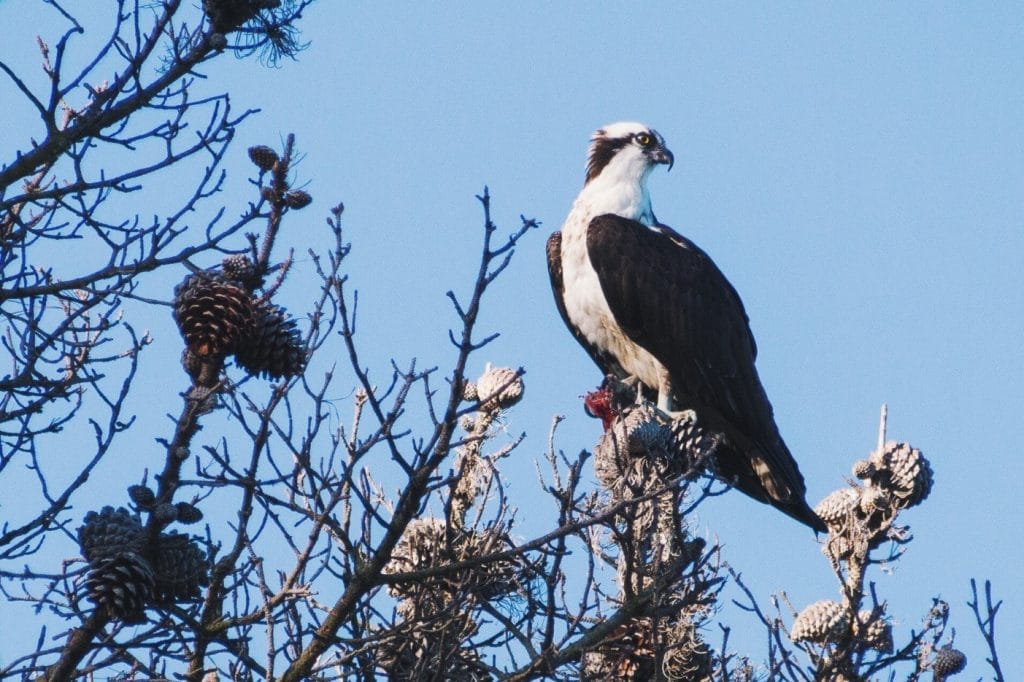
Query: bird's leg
{"points": [[664, 391], [665, 402]]}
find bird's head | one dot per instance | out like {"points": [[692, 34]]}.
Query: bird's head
{"points": [[623, 152]]}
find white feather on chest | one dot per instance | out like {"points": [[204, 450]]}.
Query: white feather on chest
{"points": [[588, 309]]}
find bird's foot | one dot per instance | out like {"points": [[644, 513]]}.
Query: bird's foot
{"points": [[625, 391], [633, 383]]}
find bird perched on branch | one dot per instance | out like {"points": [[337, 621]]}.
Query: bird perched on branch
{"points": [[650, 306]]}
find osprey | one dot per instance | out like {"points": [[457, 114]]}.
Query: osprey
{"points": [[648, 305]]}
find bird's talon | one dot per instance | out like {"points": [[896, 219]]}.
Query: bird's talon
{"points": [[683, 415], [672, 417]]}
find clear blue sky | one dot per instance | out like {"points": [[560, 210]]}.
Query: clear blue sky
{"points": [[856, 171]]}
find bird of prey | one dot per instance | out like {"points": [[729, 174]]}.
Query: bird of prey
{"points": [[650, 306]]}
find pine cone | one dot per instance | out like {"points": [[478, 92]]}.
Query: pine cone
{"points": [[239, 269], [499, 387], [263, 156], [862, 468], [180, 567], [627, 654], [632, 434], [821, 622], [837, 506], [121, 585], [227, 15], [108, 533], [212, 314], [690, 441], [904, 472], [648, 436], [143, 496], [274, 347], [188, 513], [948, 661], [937, 614], [297, 199], [495, 579], [878, 634]]}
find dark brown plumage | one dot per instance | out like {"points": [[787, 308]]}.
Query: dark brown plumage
{"points": [[697, 328]]}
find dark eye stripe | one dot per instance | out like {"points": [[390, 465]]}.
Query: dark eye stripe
{"points": [[601, 154]]}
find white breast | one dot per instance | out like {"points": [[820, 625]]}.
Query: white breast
{"points": [[586, 306]]}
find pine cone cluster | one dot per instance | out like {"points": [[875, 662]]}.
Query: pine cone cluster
{"points": [[436, 621], [903, 472], [420, 547], [896, 477], [166, 513], [639, 444], [218, 316], [873, 499], [822, 622], [127, 574], [278, 192], [426, 544]]}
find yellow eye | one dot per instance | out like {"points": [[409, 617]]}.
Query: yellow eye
{"points": [[643, 139]]}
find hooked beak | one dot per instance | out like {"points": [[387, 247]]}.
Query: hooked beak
{"points": [[661, 154]]}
